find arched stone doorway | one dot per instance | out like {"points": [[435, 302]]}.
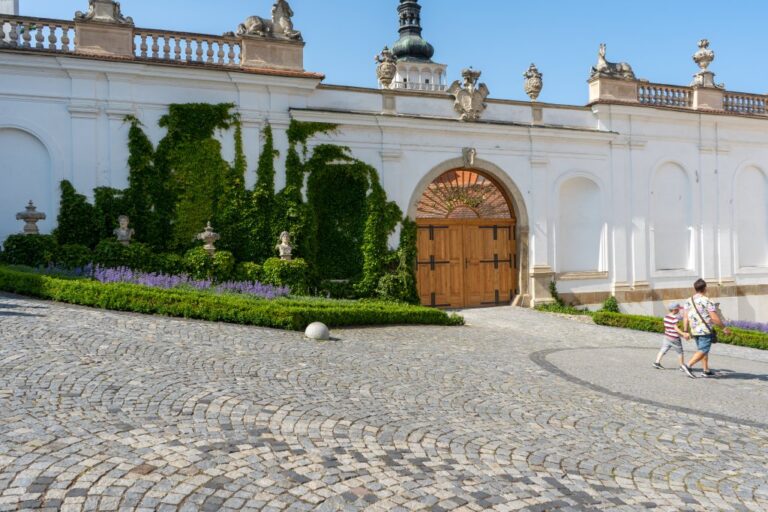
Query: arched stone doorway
{"points": [[469, 247]]}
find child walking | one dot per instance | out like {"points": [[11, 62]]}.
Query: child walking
{"points": [[672, 336]]}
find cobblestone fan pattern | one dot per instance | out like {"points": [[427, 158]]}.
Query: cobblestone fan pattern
{"points": [[109, 411]]}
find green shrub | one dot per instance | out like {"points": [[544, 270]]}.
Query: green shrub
{"points": [[337, 289], [611, 305], [171, 264], [248, 271], [294, 274], [200, 265], [555, 294], [654, 324], [77, 221], [113, 254], [223, 266], [562, 309], [398, 287], [73, 256], [30, 250], [293, 314]]}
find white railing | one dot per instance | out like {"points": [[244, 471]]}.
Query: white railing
{"points": [[741, 103], [186, 47], [37, 34], [414, 86], [665, 95]]}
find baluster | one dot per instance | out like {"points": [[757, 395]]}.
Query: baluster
{"points": [[26, 37], [167, 48], [39, 37], [220, 54], [209, 53], [143, 45], [2, 31], [199, 52], [177, 47], [231, 54], [188, 50], [52, 39], [65, 39], [155, 46]]}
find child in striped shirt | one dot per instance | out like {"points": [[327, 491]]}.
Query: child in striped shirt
{"points": [[672, 336]]}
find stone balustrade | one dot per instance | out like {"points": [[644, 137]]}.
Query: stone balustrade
{"points": [[412, 86], [126, 42], [186, 47], [20, 32], [665, 95], [742, 103]]}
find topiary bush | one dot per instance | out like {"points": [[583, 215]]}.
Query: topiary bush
{"points": [[113, 254], [200, 265], [294, 274], [30, 250], [337, 289], [73, 256], [170, 264], [248, 271], [223, 266], [77, 221], [611, 305]]}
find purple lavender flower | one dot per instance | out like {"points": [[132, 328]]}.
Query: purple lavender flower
{"points": [[749, 326], [165, 281]]}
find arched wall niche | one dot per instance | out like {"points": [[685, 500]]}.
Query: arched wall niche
{"points": [[25, 175], [671, 218], [580, 228], [751, 217]]}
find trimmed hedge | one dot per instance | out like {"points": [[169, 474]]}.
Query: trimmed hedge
{"points": [[738, 337], [293, 314], [31, 250]]}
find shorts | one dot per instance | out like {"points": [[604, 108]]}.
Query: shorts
{"points": [[670, 344], [704, 343]]}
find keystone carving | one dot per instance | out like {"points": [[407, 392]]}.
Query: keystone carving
{"points": [[104, 11], [470, 98], [280, 27], [607, 69]]}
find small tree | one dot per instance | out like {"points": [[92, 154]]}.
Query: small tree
{"points": [[76, 220]]}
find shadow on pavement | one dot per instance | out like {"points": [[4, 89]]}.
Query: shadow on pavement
{"points": [[730, 374]]}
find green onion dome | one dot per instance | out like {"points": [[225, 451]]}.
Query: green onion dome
{"points": [[411, 46]]}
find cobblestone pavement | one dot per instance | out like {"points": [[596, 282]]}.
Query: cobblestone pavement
{"points": [[109, 411]]}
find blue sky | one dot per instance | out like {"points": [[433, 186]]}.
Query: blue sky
{"points": [[499, 37]]}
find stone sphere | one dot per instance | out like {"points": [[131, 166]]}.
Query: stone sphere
{"points": [[318, 331]]}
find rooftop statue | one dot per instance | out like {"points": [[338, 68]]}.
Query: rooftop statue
{"points": [[607, 69], [280, 27], [470, 99], [105, 11], [387, 67]]}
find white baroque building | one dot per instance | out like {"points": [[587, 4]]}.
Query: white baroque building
{"points": [[636, 194]]}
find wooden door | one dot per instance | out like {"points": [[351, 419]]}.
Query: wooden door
{"points": [[489, 254], [440, 259]]}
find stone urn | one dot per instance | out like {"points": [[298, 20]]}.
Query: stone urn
{"points": [[534, 82], [208, 237], [31, 217], [387, 68], [704, 56]]}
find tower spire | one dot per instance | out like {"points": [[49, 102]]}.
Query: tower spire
{"points": [[410, 17], [411, 46]]}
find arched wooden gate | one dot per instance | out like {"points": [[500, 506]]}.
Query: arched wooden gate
{"points": [[467, 250]]}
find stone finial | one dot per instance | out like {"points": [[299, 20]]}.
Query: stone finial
{"points": [[31, 217], [104, 11], [124, 233], [703, 58], [534, 82], [279, 27], [284, 246], [603, 68], [387, 67], [209, 238], [470, 96]]}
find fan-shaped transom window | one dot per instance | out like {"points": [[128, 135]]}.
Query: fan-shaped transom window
{"points": [[463, 194]]}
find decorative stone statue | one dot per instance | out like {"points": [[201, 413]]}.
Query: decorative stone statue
{"points": [[31, 217], [534, 82], [284, 247], [387, 68], [607, 69], [280, 27], [470, 99], [704, 57], [105, 11], [469, 155], [209, 238], [123, 233]]}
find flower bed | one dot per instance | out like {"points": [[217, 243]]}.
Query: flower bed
{"points": [[749, 326], [739, 337], [281, 312]]}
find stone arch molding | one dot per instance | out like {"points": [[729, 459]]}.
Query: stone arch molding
{"points": [[749, 230], [672, 222], [518, 207]]}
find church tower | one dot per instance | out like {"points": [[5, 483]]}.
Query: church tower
{"points": [[415, 69]]}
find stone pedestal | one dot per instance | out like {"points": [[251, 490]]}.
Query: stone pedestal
{"points": [[104, 39], [388, 102], [263, 53], [540, 278], [613, 89], [706, 98]]}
